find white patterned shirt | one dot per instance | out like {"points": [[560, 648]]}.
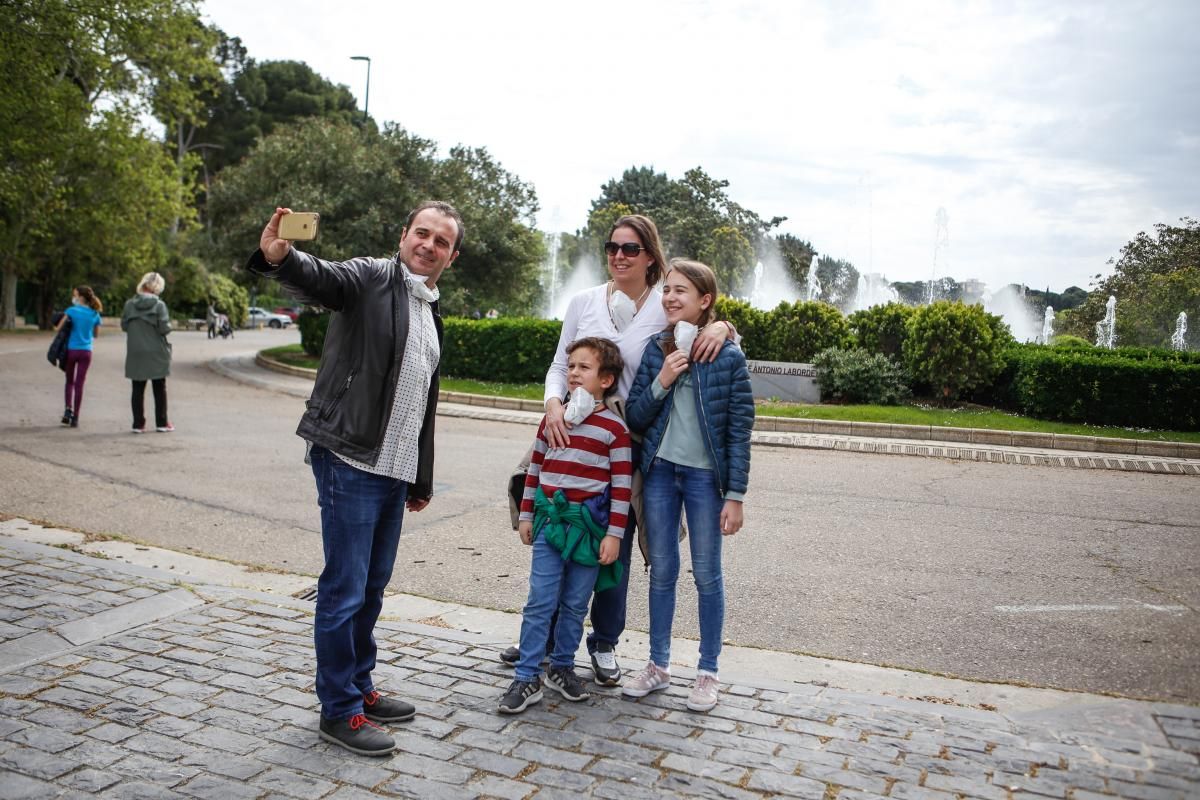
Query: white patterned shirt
{"points": [[398, 453]]}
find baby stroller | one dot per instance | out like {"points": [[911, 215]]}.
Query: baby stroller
{"points": [[224, 329]]}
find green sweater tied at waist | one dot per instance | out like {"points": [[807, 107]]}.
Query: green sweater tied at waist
{"points": [[570, 529]]}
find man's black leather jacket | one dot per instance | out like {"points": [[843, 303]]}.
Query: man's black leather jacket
{"points": [[352, 398]]}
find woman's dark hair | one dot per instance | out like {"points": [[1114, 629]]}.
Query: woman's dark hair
{"points": [[90, 298], [609, 354], [647, 232]]}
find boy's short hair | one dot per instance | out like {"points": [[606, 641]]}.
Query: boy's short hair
{"points": [[611, 362]]}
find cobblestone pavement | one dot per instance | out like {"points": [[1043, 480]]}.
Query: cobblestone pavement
{"points": [[116, 681]]}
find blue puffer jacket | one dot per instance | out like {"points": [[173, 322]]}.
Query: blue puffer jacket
{"points": [[725, 405]]}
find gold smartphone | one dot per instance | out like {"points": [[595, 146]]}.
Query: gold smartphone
{"points": [[299, 226]]}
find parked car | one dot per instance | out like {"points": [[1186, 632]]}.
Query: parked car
{"points": [[292, 312], [260, 316]]}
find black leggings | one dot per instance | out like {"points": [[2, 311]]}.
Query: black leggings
{"points": [[160, 403]]}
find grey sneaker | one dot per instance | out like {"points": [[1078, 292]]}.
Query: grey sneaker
{"points": [[704, 692], [564, 681], [651, 678], [520, 696]]}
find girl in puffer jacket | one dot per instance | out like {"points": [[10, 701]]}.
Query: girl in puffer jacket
{"points": [[696, 419]]}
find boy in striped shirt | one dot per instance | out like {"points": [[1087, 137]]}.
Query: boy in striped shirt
{"points": [[573, 513]]}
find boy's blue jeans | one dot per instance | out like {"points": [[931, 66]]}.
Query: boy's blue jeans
{"points": [[559, 585], [668, 489], [361, 515]]}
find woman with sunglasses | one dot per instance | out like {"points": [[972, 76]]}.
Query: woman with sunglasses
{"points": [[627, 310]]}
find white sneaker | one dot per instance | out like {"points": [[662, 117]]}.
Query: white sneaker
{"points": [[651, 678], [704, 692]]}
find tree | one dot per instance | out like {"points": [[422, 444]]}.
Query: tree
{"points": [[500, 260], [730, 255], [839, 280], [1149, 311], [797, 256], [1141, 272], [954, 348], [695, 217], [77, 77], [364, 184], [255, 99]]}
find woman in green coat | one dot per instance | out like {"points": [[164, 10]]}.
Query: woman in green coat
{"points": [[147, 351]]}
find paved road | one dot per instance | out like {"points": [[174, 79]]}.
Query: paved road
{"points": [[1080, 579], [117, 683]]}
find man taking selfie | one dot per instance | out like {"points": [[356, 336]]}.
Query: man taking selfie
{"points": [[371, 459]]}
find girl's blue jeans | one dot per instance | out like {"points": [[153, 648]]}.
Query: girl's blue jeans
{"points": [[361, 515], [670, 488]]}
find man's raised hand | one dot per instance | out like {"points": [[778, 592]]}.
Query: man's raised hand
{"points": [[273, 248]]}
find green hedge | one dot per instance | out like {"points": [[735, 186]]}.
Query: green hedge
{"points": [[793, 332], [312, 326], [1101, 387], [882, 329], [511, 349]]}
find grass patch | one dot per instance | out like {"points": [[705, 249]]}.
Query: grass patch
{"points": [[965, 417], [293, 355]]}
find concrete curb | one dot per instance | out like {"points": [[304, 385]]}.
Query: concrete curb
{"points": [[880, 430]]}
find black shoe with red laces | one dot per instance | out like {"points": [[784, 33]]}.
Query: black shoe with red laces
{"points": [[358, 735], [378, 708]]}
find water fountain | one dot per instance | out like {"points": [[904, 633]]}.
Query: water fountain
{"points": [[812, 287], [1178, 338], [550, 270], [941, 243], [873, 290], [770, 284], [1008, 302], [1047, 326], [1106, 329]]}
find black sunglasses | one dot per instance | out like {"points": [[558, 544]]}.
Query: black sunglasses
{"points": [[630, 249]]}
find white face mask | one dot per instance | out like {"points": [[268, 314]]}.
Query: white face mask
{"points": [[75, 301], [685, 335], [621, 308], [579, 407]]}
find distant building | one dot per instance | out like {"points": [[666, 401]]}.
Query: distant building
{"points": [[973, 289]]}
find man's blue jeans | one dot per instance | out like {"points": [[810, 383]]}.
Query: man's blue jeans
{"points": [[559, 585], [668, 489], [361, 515]]}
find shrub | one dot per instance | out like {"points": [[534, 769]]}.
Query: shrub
{"points": [[1082, 386], [954, 348], [751, 324], [1068, 342], [313, 325], [856, 376], [881, 329], [510, 349], [798, 331]]}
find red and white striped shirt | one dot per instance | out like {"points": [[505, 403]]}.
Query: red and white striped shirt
{"points": [[598, 455]]}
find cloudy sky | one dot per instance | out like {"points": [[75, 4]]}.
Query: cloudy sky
{"points": [[1051, 133]]}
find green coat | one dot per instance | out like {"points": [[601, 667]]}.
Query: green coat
{"points": [[147, 351]]}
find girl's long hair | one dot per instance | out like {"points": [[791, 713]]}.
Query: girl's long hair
{"points": [[90, 298]]}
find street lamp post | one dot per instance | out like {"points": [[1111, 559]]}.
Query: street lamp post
{"points": [[367, 99]]}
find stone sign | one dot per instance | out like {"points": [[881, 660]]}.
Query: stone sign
{"points": [[796, 383]]}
